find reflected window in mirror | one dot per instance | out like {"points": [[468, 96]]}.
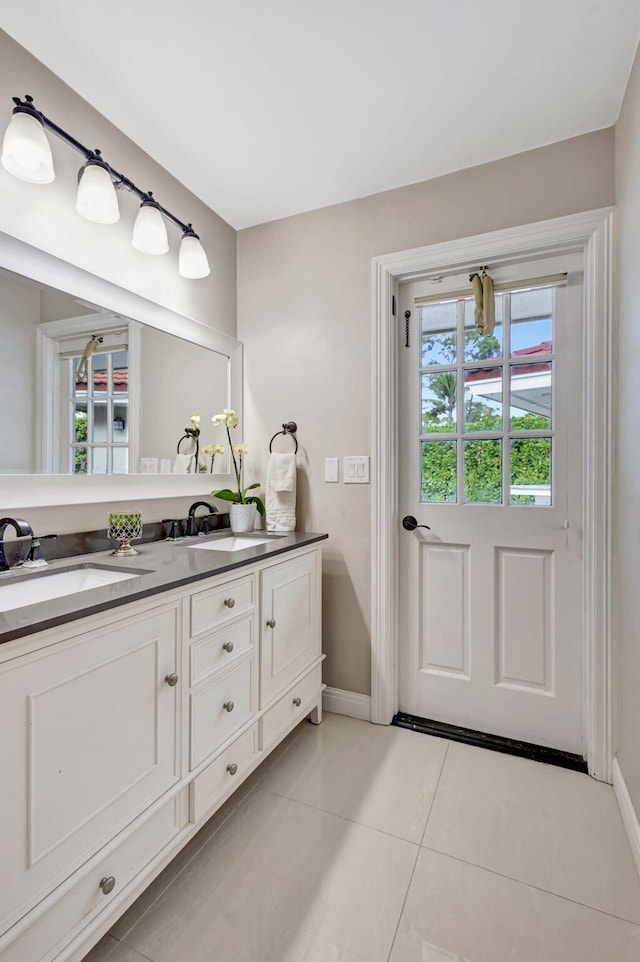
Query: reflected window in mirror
{"points": [[98, 410]]}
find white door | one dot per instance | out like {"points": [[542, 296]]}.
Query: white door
{"points": [[491, 460]]}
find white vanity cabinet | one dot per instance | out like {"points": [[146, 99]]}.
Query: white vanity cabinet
{"points": [[88, 742], [123, 732]]}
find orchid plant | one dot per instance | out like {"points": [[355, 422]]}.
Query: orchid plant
{"points": [[238, 453], [210, 451]]}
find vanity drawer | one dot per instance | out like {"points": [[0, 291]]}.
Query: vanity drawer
{"points": [[211, 722], [224, 775], [221, 648], [214, 607], [85, 898], [286, 712]]}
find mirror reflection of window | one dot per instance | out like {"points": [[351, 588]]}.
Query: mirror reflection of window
{"points": [[98, 402]]}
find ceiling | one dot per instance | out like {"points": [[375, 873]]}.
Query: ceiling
{"points": [[265, 109]]}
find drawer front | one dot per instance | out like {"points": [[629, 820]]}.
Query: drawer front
{"points": [[221, 648], [211, 722], [221, 777], [285, 713], [85, 899], [212, 608]]}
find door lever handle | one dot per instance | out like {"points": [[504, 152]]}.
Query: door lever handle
{"points": [[409, 523]]}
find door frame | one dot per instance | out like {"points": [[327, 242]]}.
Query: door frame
{"points": [[591, 233]]}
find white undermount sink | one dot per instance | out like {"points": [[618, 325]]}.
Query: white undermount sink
{"points": [[33, 589], [234, 543]]}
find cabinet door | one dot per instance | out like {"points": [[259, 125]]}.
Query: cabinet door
{"points": [[290, 629], [88, 741]]}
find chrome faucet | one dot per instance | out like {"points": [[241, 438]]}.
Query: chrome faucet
{"points": [[192, 527], [22, 529]]}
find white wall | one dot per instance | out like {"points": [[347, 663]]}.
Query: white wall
{"points": [[304, 313], [45, 216], [627, 512]]}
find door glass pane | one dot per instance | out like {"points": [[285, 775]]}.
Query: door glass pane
{"points": [[439, 333], [483, 399], [531, 387], [79, 421], [80, 460], [100, 412], [439, 397], [532, 322], [477, 346], [120, 460], [79, 387], [530, 471], [120, 421], [99, 365], [439, 470], [120, 362], [483, 472], [98, 460]]}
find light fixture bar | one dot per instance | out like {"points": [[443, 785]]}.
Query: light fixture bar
{"points": [[193, 260], [120, 180]]}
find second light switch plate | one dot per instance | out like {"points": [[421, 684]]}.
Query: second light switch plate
{"points": [[356, 469]]}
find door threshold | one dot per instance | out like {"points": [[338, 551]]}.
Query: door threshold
{"points": [[495, 743]]}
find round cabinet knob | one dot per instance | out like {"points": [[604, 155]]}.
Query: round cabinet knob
{"points": [[228, 646], [171, 680], [228, 706], [297, 702], [271, 623], [232, 769], [107, 884], [229, 602]]}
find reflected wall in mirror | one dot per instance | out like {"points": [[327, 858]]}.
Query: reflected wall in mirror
{"points": [[88, 391]]}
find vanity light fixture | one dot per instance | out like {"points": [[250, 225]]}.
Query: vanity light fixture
{"points": [[26, 154]]}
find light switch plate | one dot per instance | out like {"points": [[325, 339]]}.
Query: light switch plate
{"points": [[331, 468], [356, 469]]}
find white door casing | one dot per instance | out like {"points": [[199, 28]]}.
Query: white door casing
{"points": [[591, 233], [490, 606]]}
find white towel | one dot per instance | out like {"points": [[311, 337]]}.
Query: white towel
{"points": [[183, 464], [281, 501], [281, 472]]}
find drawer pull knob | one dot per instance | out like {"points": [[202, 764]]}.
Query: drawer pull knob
{"points": [[228, 646], [171, 680], [271, 623], [228, 706], [297, 702], [232, 768], [229, 602], [107, 884]]}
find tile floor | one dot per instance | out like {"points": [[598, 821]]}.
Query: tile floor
{"points": [[358, 843]]}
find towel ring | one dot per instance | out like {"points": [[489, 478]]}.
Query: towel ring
{"points": [[289, 428], [189, 435]]}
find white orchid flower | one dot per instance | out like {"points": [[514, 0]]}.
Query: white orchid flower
{"points": [[241, 450]]}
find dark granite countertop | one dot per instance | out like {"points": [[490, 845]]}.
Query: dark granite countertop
{"points": [[163, 566]]}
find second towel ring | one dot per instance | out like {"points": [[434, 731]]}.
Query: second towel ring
{"points": [[289, 428]]}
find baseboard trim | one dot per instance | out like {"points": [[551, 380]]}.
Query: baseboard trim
{"points": [[628, 812], [349, 703]]}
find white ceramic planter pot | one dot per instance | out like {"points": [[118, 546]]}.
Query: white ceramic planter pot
{"points": [[242, 517]]}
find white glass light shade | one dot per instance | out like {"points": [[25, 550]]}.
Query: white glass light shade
{"points": [[97, 199], [192, 260], [25, 150], [149, 231]]}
